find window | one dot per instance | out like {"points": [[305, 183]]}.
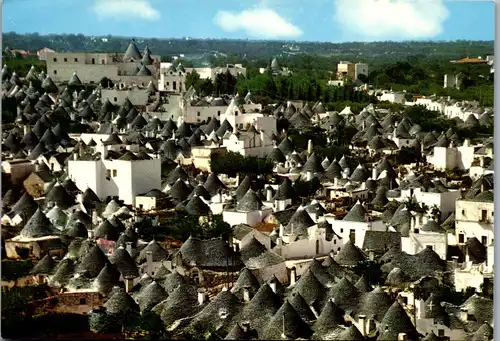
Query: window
{"points": [[429, 247], [116, 99], [92, 82], [168, 83], [484, 240], [218, 113], [416, 231], [492, 213], [108, 173], [335, 241], [102, 61], [198, 120], [235, 113], [65, 59], [174, 85], [484, 215], [463, 213], [460, 238], [55, 59], [198, 114], [55, 72], [76, 60], [93, 60], [83, 301], [114, 173], [341, 230]]}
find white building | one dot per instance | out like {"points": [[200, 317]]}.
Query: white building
{"points": [[425, 233], [392, 97], [217, 107], [248, 143], [212, 72], [125, 177], [249, 210], [452, 157], [355, 224], [475, 218], [443, 200]]}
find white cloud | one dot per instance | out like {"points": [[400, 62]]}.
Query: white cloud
{"points": [[125, 9], [257, 22], [391, 19]]}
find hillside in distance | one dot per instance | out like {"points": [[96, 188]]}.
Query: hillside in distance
{"points": [[251, 49]]}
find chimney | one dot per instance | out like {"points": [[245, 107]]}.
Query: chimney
{"points": [[95, 217], [402, 337], [25, 129], [246, 295], [464, 314], [336, 182], [129, 284], [269, 193], [129, 247], [309, 176], [91, 234], [371, 255], [128, 126], [201, 297], [245, 326], [272, 284], [481, 161], [425, 219], [237, 180], [293, 276], [374, 173], [309, 147], [412, 222], [467, 256], [37, 167], [149, 262], [362, 324]]}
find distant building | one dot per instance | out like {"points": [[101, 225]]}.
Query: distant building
{"points": [[392, 97], [467, 60], [173, 76], [132, 67], [348, 69], [276, 69], [452, 81], [42, 53]]}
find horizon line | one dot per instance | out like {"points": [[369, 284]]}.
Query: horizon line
{"points": [[253, 40]]}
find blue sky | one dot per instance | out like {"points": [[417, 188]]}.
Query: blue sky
{"points": [[303, 20]]}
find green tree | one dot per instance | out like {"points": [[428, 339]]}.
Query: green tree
{"points": [[193, 80]]}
